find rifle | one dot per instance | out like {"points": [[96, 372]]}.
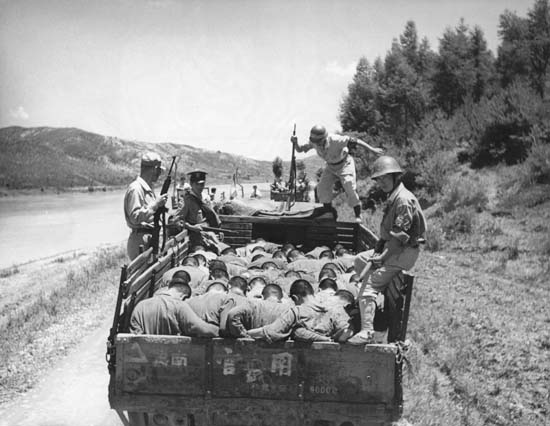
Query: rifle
{"points": [[292, 178], [161, 213]]}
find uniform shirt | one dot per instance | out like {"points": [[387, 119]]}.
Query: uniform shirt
{"points": [[307, 324], [311, 266], [166, 314], [193, 214], [335, 149], [403, 213], [138, 200], [253, 314], [191, 211], [213, 307], [198, 275]]}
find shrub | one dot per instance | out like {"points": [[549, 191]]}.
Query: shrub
{"points": [[498, 126], [506, 142], [433, 172], [464, 192], [435, 237], [537, 164], [459, 221]]}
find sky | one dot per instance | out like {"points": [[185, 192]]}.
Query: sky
{"points": [[229, 75]]}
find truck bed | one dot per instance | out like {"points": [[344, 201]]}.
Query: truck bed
{"points": [[220, 382]]}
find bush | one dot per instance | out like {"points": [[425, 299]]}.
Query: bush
{"points": [[434, 172], [498, 126], [537, 164], [464, 192], [502, 142], [459, 221], [435, 237]]}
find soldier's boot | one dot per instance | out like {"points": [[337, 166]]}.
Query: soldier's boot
{"points": [[367, 308]]}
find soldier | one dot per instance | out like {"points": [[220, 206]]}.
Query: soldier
{"points": [[255, 192], [340, 166], [256, 312], [307, 321], [213, 306], [167, 313], [140, 204], [401, 231], [195, 213]]}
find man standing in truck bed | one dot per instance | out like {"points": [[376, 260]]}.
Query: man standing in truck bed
{"points": [[140, 204], [340, 166], [195, 213]]}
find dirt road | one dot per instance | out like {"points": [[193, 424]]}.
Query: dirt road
{"points": [[73, 393]]}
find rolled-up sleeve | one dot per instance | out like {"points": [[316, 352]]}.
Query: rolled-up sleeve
{"points": [[238, 320], [281, 328]]}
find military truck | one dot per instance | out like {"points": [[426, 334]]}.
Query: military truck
{"points": [[176, 380]]}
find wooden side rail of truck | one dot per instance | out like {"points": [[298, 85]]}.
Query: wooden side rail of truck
{"points": [[184, 381]]}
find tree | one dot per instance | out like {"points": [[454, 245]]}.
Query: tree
{"points": [[513, 60], [483, 63], [538, 25], [409, 44], [277, 167], [359, 109], [402, 102], [463, 68]]}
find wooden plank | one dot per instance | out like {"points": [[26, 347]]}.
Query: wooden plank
{"points": [[138, 262], [236, 241], [354, 375], [269, 371], [146, 275], [161, 365], [345, 237], [230, 225]]}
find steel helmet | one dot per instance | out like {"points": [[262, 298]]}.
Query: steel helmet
{"points": [[318, 133], [385, 165]]}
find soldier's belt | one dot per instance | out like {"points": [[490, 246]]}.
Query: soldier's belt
{"points": [[338, 162]]}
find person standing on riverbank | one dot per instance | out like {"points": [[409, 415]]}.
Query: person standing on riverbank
{"points": [[340, 165], [141, 203]]}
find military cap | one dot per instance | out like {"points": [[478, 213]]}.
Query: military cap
{"points": [[150, 159], [197, 176]]}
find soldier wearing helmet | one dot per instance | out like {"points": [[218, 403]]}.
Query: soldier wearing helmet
{"points": [[340, 166], [141, 203], [401, 231]]}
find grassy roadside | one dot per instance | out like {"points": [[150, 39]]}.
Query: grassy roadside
{"points": [[45, 321]]}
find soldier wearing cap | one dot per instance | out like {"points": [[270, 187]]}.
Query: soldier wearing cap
{"points": [[195, 213], [340, 166], [401, 231], [141, 203]]}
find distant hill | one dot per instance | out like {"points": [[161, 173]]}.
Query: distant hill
{"points": [[46, 157]]}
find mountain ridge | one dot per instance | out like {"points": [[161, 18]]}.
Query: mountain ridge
{"points": [[68, 157]]}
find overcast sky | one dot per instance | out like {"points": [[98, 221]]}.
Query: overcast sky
{"points": [[221, 75]]}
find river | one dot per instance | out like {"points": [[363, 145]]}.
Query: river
{"points": [[39, 226]]}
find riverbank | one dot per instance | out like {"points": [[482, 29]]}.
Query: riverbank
{"points": [[47, 306], [12, 193]]}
